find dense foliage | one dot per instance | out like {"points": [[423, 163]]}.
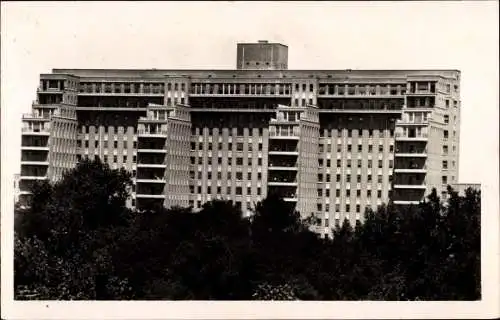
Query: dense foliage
{"points": [[79, 241]]}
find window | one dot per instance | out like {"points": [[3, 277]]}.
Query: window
{"points": [[379, 179], [369, 178], [327, 193], [370, 148], [348, 193], [380, 148], [360, 148], [358, 208], [368, 193], [258, 191], [379, 194], [348, 163], [358, 179], [319, 206], [444, 179], [348, 178], [327, 207], [115, 144], [238, 190], [347, 208], [239, 175], [380, 163], [358, 193], [445, 149], [369, 163], [239, 161], [124, 159], [446, 119], [338, 178], [115, 159], [320, 192], [445, 164]]}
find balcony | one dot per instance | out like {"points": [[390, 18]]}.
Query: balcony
{"points": [[152, 134], [414, 122], [45, 116], [284, 134], [411, 170], [421, 92], [282, 168], [410, 186], [35, 162], [413, 154], [278, 183], [35, 148], [31, 176], [147, 150], [406, 137], [151, 180], [152, 120], [36, 131], [283, 153], [406, 202], [149, 196], [49, 90], [369, 111], [152, 165]]}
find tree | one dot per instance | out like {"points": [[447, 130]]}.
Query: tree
{"points": [[75, 222], [79, 241]]}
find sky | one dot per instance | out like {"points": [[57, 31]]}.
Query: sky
{"points": [[39, 36]]}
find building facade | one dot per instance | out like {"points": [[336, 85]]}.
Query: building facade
{"points": [[331, 142]]}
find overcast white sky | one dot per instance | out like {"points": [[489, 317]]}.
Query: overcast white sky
{"points": [[38, 36]]}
